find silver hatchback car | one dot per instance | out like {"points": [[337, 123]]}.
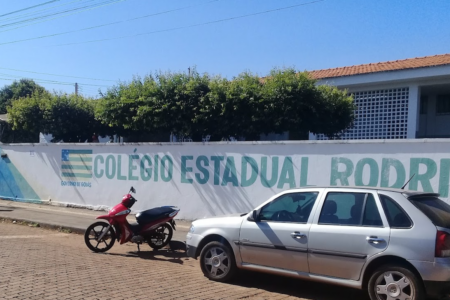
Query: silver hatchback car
{"points": [[392, 242]]}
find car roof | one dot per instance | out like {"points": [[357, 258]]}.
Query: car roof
{"points": [[407, 193]]}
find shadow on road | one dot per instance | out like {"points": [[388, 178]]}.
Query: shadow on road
{"points": [[175, 253], [297, 288], [7, 208]]}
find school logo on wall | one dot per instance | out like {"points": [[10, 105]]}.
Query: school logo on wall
{"points": [[76, 167]]}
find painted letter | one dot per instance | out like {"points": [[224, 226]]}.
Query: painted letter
{"points": [[444, 177], [146, 173], [423, 178], [229, 174], [254, 171], [264, 181], [119, 168], [156, 167], [185, 169], [287, 174], [217, 160], [202, 169], [304, 172], [341, 176], [385, 172], [132, 167], [169, 168], [110, 171], [373, 174], [97, 159]]}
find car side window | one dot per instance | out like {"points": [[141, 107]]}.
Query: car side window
{"points": [[351, 209], [371, 214], [396, 216], [292, 207]]}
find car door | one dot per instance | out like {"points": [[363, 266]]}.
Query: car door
{"points": [[278, 238], [349, 229]]}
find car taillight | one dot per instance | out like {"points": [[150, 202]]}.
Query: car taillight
{"points": [[442, 244]]}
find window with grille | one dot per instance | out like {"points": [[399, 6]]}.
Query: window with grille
{"points": [[423, 105], [380, 114], [443, 104]]}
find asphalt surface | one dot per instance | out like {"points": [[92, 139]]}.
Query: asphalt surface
{"points": [[67, 219]]}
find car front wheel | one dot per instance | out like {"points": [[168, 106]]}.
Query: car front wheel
{"points": [[391, 282], [217, 262]]}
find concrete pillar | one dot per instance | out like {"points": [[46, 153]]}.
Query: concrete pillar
{"points": [[413, 111]]}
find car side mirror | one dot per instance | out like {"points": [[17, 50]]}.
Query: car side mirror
{"points": [[254, 216]]}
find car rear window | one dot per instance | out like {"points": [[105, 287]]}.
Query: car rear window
{"points": [[435, 209]]}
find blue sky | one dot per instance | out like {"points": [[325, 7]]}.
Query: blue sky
{"points": [[316, 35]]}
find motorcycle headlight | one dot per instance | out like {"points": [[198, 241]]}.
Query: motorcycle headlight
{"points": [[123, 212]]}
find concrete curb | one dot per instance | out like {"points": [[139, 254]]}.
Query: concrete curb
{"points": [[65, 229]]}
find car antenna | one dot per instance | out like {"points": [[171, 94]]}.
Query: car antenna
{"points": [[403, 187]]}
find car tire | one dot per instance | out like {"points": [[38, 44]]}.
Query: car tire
{"points": [[395, 282], [217, 261]]}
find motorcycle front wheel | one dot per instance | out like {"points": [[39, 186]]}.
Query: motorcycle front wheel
{"points": [[161, 236], [92, 234]]}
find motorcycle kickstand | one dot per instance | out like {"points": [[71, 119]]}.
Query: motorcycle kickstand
{"points": [[139, 249]]}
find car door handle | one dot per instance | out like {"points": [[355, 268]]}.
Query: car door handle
{"points": [[297, 235], [374, 240]]}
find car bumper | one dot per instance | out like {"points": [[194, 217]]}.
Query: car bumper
{"points": [[437, 289], [191, 251], [192, 242]]}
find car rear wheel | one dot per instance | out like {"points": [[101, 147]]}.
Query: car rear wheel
{"points": [[217, 262], [391, 282]]}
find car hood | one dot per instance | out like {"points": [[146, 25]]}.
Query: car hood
{"points": [[233, 220], [227, 216]]}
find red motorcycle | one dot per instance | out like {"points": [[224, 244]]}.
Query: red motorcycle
{"points": [[154, 226]]}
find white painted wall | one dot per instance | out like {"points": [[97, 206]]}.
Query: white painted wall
{"points": [[216, 178]]}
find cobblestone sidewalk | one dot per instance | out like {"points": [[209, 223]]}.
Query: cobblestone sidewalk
{"points": [[36, 263]]}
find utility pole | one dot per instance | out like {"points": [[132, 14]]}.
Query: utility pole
{"points": [[189, 71], [76, 89]]}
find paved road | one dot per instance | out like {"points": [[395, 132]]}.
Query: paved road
{"points": [[75, 219], [37, 263]]}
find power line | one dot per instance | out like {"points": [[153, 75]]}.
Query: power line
{"points": [[64, 14], [27, 8], [42, 10], [191, 26], [68, 76], [11, 77], [107, 24]]}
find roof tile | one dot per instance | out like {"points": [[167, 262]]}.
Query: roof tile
{"points": [[410, 63]]}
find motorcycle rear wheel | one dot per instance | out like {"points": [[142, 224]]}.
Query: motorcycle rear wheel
{"points": [[92, 234], [161, 236]]}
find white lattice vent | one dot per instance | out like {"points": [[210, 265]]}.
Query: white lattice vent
{"points": [[380, 114]]}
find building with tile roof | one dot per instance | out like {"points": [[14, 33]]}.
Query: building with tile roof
{"points": [[399, 99]]}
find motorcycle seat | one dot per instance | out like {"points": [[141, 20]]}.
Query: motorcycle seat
{"points": [[150, 215]]}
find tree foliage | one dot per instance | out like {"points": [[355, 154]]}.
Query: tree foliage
{"points": [[16, 90], [67, 117], [192, 105]]}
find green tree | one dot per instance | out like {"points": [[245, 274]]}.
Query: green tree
{"points": [[246, 106], [243, 111], [290, 101], [119, 108], [67, 117], [336, 111], [16, 90], [26, 115], [175, 103]]}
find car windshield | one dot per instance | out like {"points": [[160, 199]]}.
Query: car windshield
{"points": [[435, 209]]}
